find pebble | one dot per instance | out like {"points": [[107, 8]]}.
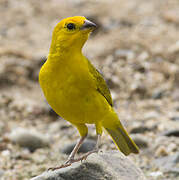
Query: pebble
{"points": [[151, 115], [161, 151], [1, 173], [143, 56], [174, 48], [138, 88], [54, 127], [168, 163], [51, 112], [88, 145], [175, 118], [156, 174], [2, 128], [140, 140], [169, 133], [5, 153], [33, 70], [112, 82], [140, 129], [124, 53], [158, 94], [29, 139], [172, 147]]}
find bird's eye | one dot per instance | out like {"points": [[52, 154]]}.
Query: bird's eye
{"points": [[70, 26]]}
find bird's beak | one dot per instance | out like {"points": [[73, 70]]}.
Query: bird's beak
{"points": [[88, 25]]}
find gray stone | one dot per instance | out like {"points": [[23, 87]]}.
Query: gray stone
{"points": [[158, 94], [29, 139], [169, 163], [175, 118], [88, 145], [139, 130], [140, 140], [102, 166], [1, 173], [124, 53], [174, 132], [2, 128], [51, 112]]}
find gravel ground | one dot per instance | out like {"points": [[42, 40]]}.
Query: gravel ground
{"points": [[136, 47]]}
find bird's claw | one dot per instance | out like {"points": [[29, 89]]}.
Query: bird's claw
{"points": [[66, 164], [59, 167], [84, 157], [70, 161]]}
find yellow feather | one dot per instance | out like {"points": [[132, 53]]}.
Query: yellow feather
{"points": [[75, 89]]}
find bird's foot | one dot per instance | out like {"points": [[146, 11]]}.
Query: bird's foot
{"points": [[70, 161], [59, 167], [84, 157]]}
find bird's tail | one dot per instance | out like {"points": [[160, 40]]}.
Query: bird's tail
{"points": [[119, 135]]}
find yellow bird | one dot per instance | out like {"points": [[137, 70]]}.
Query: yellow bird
{"points": [[76, 90]]}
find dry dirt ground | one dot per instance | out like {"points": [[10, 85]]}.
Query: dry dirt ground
{"points": [[136, 47]]}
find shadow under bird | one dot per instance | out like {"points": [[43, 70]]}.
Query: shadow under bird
{"points": [[77, 91]]}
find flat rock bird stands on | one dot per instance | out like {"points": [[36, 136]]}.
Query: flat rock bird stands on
{"points": [[76, 90]]}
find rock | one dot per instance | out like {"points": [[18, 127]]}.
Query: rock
{"points": [[140, 129], [112, 82], [151, 115], [140, 140], [2, 128], [169, 163], [158, 94], [172, 133], [109, 166], [175, 118], [174, 48], [88, 145], [29, 139], [3, 144], [138, 88], [33, 70], [5, 80], [139, 68], [171, 16], [51, 112], [1, 173], [124, 53], [156, 174], [125, 23], [5, 153], [161, 151], [143, 56]]}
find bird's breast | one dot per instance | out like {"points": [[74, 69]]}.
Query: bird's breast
{"points": [[69, 91]]}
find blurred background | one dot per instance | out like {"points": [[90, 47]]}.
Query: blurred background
{"points": [[136, 47]]}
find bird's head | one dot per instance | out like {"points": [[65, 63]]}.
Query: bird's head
{"points": [[71, 32]]}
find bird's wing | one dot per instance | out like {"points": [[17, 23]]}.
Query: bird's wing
{"points": [[102, 87]]}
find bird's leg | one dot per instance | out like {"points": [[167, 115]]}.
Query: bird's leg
{"points": [[75, 150], [71, 156], [95, 150], [82, 128]]}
